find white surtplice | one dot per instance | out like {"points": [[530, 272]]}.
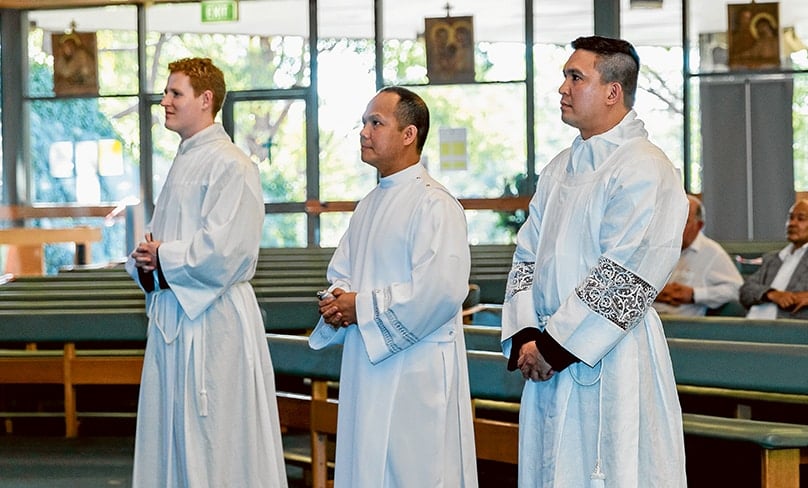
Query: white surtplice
{"points": [[603, 235], [208, 415], [404, 406]]}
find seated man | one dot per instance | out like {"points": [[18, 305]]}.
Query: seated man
{"points": [[705, 276], [779, 289]]}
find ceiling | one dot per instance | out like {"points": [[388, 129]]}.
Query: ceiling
{"points": [[494, 20]]}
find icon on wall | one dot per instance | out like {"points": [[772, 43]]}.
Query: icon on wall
{"points": [[754, 35], [75, 64], [450, 49]]}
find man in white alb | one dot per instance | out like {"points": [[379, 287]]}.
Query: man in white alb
{"points": [[398, 278], [207, 415], [604, 231]]}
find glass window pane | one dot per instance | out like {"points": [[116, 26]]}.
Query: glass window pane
{"points": [[490, 227], [343, 175], [481, 41], [347, 82], [801, 133], [115, 53], [164, 147], [284, 230], [552, 135], [492, 146], [647, 25], [550, 52], [656, 33], [332, 226], [265, 48], [84, 150], [272, 133], [710, 28]]}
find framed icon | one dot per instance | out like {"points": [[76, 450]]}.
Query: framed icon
{"points": [[450, 49], [75, 63], [754, 35]]}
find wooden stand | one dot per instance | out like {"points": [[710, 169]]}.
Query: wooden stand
{"points": [[26, 255]]}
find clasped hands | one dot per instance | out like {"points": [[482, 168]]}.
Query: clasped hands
{"points": [[675, 294], [339, 310], [532, 364], [145, 254], [793, 301]]}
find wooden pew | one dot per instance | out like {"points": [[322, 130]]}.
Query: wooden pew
{"points": [[785, 331], [768, 371], [70, 366], [89, 298], [53, 312], [482, 338], [291, 355], [315, 411], [742, 365], [745, 369]]}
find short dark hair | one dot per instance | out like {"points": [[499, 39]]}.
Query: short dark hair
{"points": [[617, 61], [411, 110]]}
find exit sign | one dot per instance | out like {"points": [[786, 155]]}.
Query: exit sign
{"points": [[219, 10]]}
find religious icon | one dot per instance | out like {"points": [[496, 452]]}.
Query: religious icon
{"points": [[450, 49], [754, 35], [75, 65]]}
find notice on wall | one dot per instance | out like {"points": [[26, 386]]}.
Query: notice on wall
{"points": [[453, 153]]}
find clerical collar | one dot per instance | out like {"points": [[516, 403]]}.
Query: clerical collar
{"points": [[405, 174]]}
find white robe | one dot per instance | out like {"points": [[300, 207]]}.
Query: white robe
{"points": [[603, 235], [207, 414], [404, 405]]}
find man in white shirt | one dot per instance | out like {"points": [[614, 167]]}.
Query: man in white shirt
{"points": [[779, 289], [705, 276]]}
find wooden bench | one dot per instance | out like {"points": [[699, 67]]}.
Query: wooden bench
{"points": [[739, 366], [760, 371], [784, 331], [495, 440], [68, 332], [69, 365]]}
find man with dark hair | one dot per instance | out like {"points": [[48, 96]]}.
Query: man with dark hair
{"points": [[207, 414], [398, 280], [600, 406]]}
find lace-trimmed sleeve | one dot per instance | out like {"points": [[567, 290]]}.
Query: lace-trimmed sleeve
{"points": [[520, 278], [616, 293]]}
